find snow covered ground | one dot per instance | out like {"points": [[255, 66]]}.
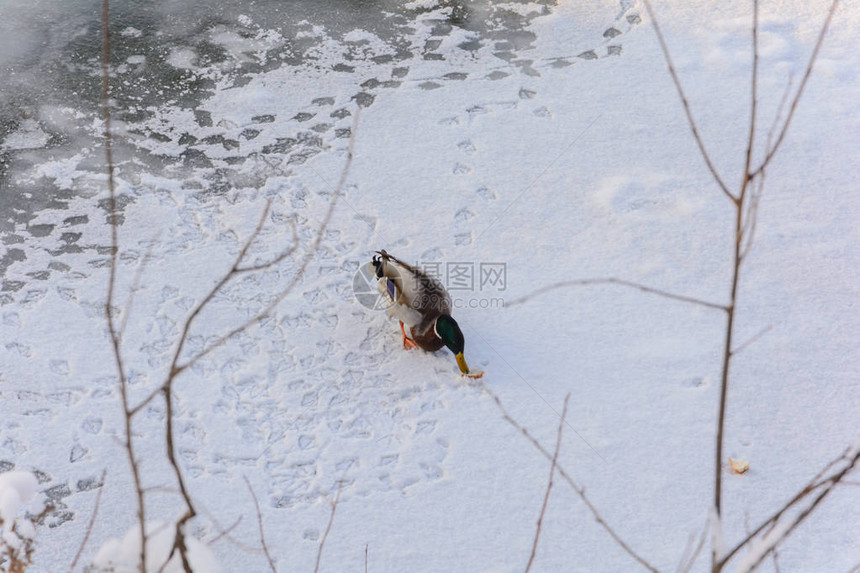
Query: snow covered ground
{"points": [[566, 156]]}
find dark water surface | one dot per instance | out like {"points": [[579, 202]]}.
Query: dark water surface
{"points": [[174, 54]]}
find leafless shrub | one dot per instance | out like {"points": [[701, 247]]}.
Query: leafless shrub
{"points": [[765, 538], [117, 320]]}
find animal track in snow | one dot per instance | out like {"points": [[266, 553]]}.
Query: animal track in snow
{"points": [[290, 406]]}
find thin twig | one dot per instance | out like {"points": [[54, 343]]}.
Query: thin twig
{"points": [[114, 234], [179, 544], [687, 561], [225, 533], [284, 254], [580, 491], [749, 214], [778, 115], [143, 403], [775, 556], [90, 524], [807, 72], [533, 389], [135, 285], [299, 274], [746, 212], [692, 123], [192, 316], [818, 482], [614, 281], [740, 251], [549, 484], [260, 525], [753, 102], [328, 527], [752, 340], [180, 547], [833, 481]]}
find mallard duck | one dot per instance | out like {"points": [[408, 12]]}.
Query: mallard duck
{"points": [[421, 303]]}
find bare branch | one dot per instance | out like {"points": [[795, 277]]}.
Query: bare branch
{"points": [[614, 281], [778, 114], [299, 274], [688, 560], [580, 491], [260, 525], [143, 403], [284, 254], [114, 234], [774, 540], [775, 555], [751, 216], [328, 527], [179, 544], [549, 484], [183, 335], [807, 72], [533, 389], [689, 114], [90, 524], [753, 104], [225, 533], [135, 285], [758, 335], [818, 483]]}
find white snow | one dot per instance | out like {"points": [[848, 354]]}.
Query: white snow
{"points": [[123, 556], [130, 32], [29, 135], [182, 58], [560, 172], [17, 489], [17, 493]]}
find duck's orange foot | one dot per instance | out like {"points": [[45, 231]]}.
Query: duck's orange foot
{"points": [[408, 343], [475, 374]]}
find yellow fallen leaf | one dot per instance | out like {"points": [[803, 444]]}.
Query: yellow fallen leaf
{"points": [[739, 466]]}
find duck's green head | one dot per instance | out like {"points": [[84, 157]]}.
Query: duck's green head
{"points": [[449, 331]]}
